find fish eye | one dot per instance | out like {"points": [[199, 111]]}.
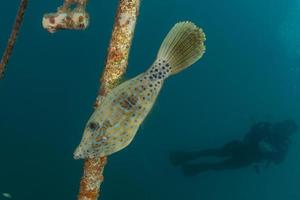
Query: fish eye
{"points": [[93, 126]]}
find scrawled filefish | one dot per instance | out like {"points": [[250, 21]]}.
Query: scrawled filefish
{"points": [[115, 122]]}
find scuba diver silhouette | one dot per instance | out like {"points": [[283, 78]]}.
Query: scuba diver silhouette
{"points": [[265, 142]]}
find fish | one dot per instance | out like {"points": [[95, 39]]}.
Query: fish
{"points": [[7, 195], [114, 124]]}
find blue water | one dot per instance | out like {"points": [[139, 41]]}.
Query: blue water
{"points": [[250, 72]]}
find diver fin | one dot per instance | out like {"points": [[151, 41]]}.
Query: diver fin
{"points": [[183, 46]]}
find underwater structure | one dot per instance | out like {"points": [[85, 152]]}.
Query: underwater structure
{"points": [[67, 17]]}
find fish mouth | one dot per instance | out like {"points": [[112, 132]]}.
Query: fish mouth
{"points": [[78, 154]]}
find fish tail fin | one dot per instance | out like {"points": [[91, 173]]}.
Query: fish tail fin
{"points": [[182, 47]]}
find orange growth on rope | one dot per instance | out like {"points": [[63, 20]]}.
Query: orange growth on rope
{"points": [[13, 37]]}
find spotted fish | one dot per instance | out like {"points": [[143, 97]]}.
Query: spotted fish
{"points": [[115, 122]]}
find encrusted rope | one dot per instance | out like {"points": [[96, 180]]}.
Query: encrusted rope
{"points": [[13, 37]]}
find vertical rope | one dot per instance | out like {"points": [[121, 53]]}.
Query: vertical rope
{"points": [[116, 65], [13, 37]]}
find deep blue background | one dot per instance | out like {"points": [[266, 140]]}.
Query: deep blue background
{"points": [[250, 72]]}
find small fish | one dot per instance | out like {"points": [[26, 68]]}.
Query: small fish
{"points": [[7, 195], [115, 122]]}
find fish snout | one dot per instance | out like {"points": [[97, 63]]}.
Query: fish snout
{"points": [[78, 154]]}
